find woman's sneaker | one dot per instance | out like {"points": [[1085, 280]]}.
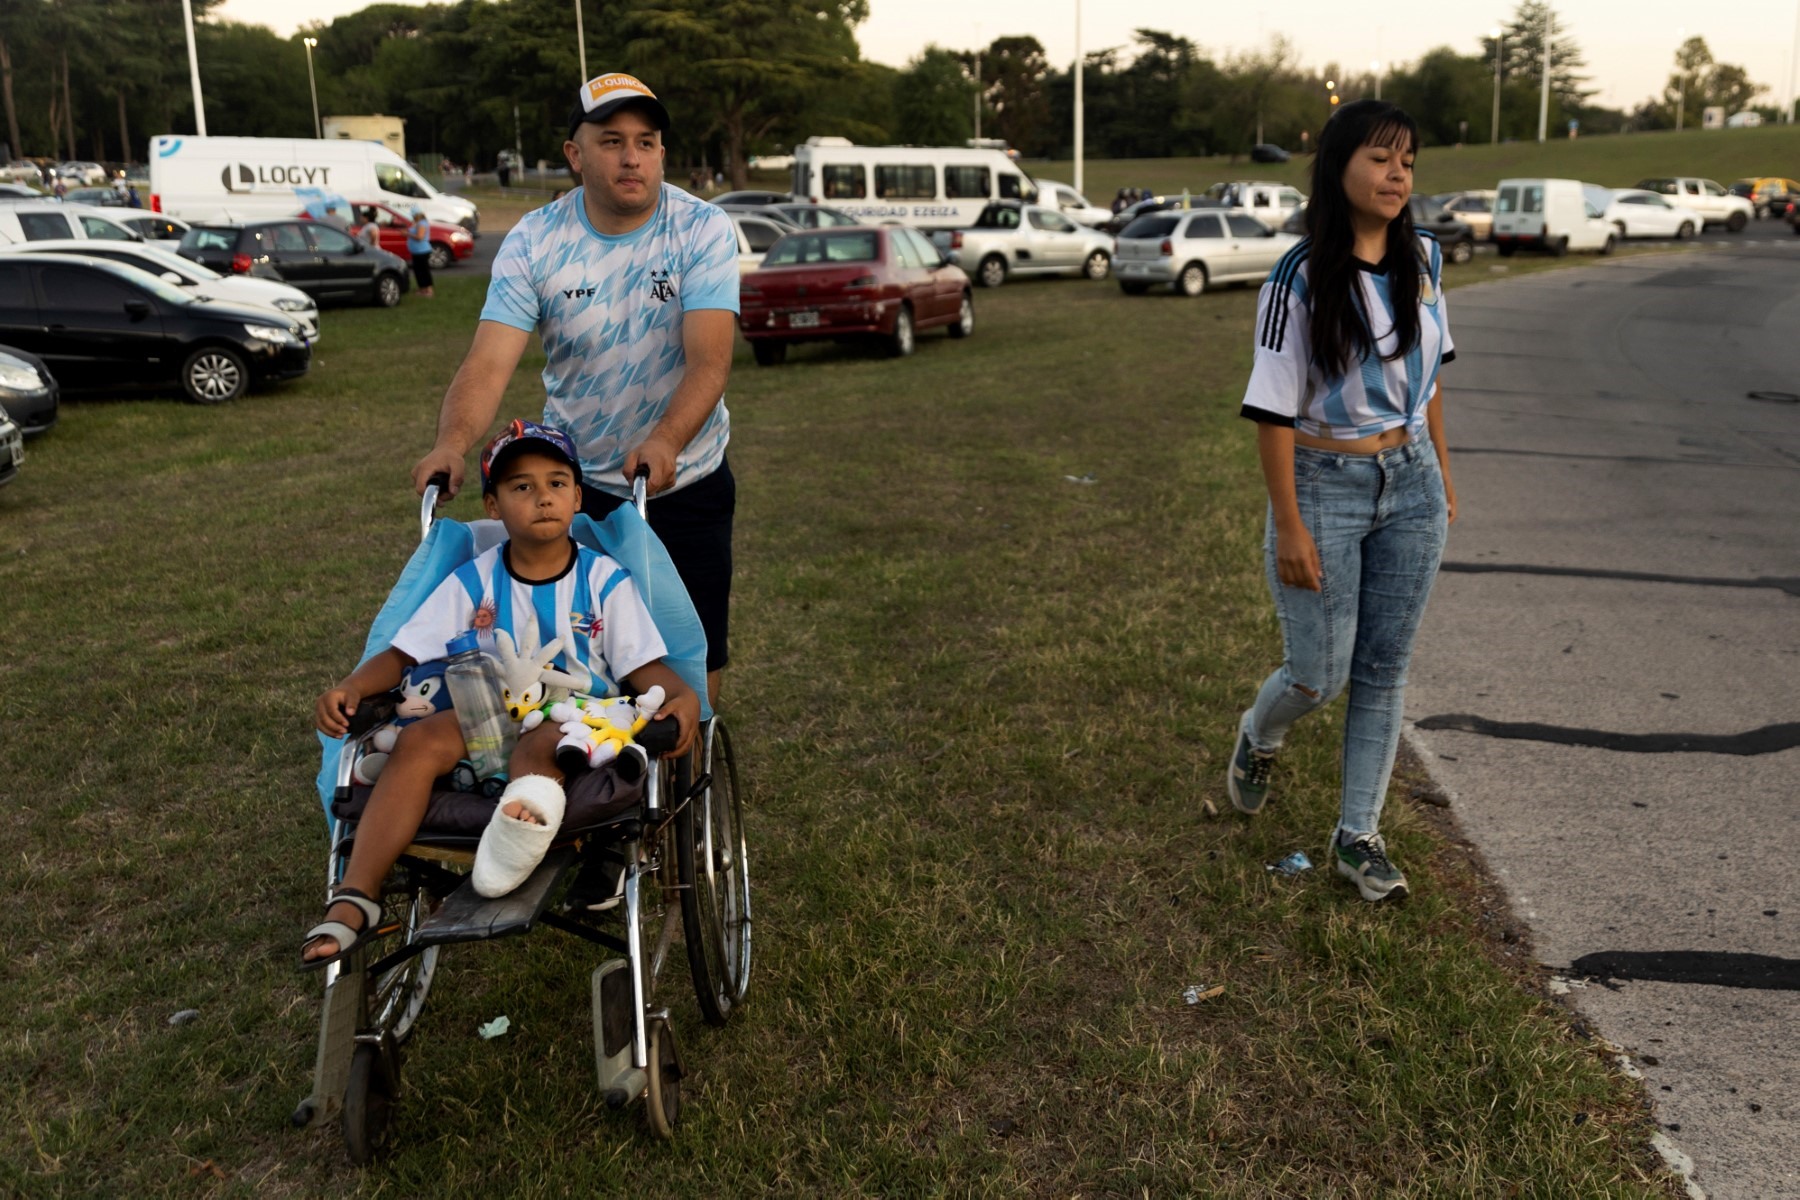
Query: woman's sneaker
{"points": [[1364, 862], [1248, 777]]}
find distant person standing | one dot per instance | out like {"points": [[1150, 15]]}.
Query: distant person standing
{"points": [[503, 165], [418, 244], [1351, 332], [334, 217], [368, 233]]}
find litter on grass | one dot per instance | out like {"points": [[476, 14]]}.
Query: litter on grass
{"points": [[1195, 993], [494, 1028], [1293, 864], [184, 1016], [1088, 478]]}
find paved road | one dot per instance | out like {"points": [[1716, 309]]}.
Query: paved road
{"points": [[1606, 682]]}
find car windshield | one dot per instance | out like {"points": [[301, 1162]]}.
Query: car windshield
{"points": [[154, 284], [1151, 227], [1426, 209], [802, 248], [198, 238], [998, 216], [168, 260]]}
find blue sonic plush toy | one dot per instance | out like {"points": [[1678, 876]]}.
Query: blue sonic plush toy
{"points": [[422, 693]]}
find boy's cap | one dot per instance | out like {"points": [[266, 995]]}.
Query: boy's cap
{"points": [[604, 95], [521, 436]]}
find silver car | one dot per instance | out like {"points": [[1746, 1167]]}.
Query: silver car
{"points": [[1191, 251], [1010, 238], [12, 449]]}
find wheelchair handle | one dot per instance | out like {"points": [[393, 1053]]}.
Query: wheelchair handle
{"points": [[428, 500], [660, 736], [640, 488]]}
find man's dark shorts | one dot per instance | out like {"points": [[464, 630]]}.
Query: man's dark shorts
{"points": [[695, 525]]}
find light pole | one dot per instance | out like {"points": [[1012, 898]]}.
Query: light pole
{"points": [[313, 84], [1079, 114], [1680, 78], [1499, 36], [580, 42], [1544, 93], [1375, 66], [187, 11]]}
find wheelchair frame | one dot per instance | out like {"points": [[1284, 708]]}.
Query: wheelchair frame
{"points": [[684, 870]]}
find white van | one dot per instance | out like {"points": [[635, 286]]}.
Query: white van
{"points": [[250, 179], [1548, 214], [928, 187]]}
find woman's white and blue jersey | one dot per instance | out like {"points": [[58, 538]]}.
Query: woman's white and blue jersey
{"points": [[593, 606], [1287, 387], [609, 312]]}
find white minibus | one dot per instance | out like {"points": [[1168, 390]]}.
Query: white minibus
{"points": [[929, 187]]}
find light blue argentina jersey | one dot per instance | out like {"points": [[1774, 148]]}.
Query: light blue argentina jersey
{"points": [[1287, 387], [609, 312]]}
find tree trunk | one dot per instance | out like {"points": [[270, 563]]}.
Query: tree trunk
{"points": [[12, 113], [124, 132], [735, 167], [68, 107]]}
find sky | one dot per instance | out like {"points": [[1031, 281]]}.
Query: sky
{"points": [[1629, 44]]}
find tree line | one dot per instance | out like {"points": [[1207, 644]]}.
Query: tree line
{"points": [[98, 78]]}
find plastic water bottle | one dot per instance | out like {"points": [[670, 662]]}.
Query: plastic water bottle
{"points": [[474, 682]]}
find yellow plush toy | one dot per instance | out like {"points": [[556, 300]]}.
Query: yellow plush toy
{"points": [[596, 731]]}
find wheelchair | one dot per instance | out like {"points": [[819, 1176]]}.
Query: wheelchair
{"points": [[669, 853]]}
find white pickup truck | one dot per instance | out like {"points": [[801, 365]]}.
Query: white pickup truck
{"points": [[1011, 238], [1715, 205]]}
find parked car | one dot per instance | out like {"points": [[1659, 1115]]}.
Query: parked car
{"points": [[1150, 204], [44, 220], [203, 283], [28, 391], [1767, 194], [1071, 204], [1011, 238], [99, 197], [449, 243], [320, 260], [22, 170], [151, 226], [12, 450], [1637, 213], [80, 174], [803, 216], [1192, 251], [1474, 209], [883, 283], [1793, 215], [100, 324], [1270, 203], [1548, 214], [755, 197], [1715, 205], [1265, 152], [20, 191], [755, 236], [1454, 235]]}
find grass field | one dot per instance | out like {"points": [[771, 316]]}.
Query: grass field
{"points": [[980, 707]]}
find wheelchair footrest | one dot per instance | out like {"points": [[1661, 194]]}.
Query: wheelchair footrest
{"points": [[467, 916]]}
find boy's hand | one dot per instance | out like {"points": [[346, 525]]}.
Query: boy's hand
{"points": [[334, 709], [684, 706]]}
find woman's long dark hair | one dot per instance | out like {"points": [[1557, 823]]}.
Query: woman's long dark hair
{"points": [[1341, 332]]}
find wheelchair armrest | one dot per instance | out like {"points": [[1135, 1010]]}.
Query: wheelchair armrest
{"points": [[372, 711], [659, 737]]}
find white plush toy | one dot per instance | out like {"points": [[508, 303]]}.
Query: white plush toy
{"points": [[597, 730], [528, 684]]}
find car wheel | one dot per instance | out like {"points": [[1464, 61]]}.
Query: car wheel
{"points": [[992, 271], [769, 354], [1735, 222], [440, 256], [1607, 248], [965, 321], [1138, 289], [1098, 266], [1623, 232], [901, 341], [1685, 232], [1462, 252], [214, 374], [387, 289], [1192, 281], [1507, 249], [1559, 247]]}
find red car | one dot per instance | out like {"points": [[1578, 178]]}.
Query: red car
{"points": [[884, 283], [449, 243]]}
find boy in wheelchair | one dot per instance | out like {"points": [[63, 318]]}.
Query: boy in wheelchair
{"points": [[537, 586]]}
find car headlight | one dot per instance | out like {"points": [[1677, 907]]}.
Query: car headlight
{"points": [[20, 379], [268, 333], [461, 235], [293, 304]]}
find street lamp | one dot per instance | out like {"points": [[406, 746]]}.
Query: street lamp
{"points": [[1331, 89], [1499, 35], [312, 83]]}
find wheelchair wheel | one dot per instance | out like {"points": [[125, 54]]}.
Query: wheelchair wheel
{"points": [[662, 1090], [715, 883], [368, 1103], [398, 996]]}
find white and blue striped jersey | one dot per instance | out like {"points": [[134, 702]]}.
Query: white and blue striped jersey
{"points": [[593, 606], [609, 312], [1288, 387]]}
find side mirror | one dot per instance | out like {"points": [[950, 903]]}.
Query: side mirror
{"points": [[137, 310]]}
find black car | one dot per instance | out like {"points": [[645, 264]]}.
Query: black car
{"points": [[1131, 212], [28, 392], [1454, 235], [321, 260], [756, 198], [1264, 152], [99, 324]]}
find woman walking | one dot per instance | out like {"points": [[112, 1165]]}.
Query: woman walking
{"points": [[418, 244], [1351, 332]]}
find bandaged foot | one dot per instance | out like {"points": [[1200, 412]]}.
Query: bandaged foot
{"points": [[519, 834]]}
